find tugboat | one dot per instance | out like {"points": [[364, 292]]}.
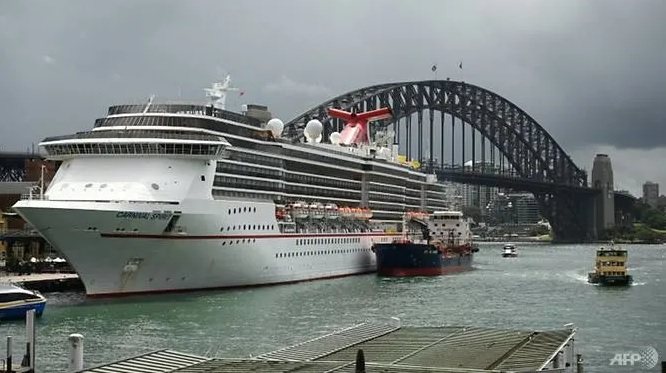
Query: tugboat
{"points": [[509, 251], [610, 268], [445, 247]]}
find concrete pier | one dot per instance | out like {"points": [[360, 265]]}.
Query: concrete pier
{"points": [[47, 282]]}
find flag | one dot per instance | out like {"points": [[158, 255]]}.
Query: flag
{"points": [[242, 93], [434, 68], [460, 65]]}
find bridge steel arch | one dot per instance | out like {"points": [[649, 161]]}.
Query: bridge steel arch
{"points": [[535, 156]]}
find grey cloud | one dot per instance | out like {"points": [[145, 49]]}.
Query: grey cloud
{"points": [[590, 72]]}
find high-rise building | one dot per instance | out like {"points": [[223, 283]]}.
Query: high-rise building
{"points": [[651, 193], [479, 196], [602, 179], [514, 208]]}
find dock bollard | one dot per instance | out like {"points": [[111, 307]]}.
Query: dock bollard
{"points": [[75, 352], [360, 362], [8, 360]]}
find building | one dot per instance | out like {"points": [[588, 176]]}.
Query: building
{"points": [[651, 193], [604, 211], [479, 196], [514, 209]]}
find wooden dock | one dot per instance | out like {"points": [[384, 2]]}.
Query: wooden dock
{"points": [[46, 282]]}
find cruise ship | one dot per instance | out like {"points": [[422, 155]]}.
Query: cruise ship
{"points": [[180, 197]]}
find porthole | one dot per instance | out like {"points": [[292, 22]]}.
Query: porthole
{"points": [[155, 186]]}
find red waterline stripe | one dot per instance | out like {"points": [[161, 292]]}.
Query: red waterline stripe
{"points": [[174, 291], [244, 236]]}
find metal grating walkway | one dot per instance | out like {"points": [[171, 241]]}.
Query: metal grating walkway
{"points": [[387, 348], [330, 343], [162, 361]]}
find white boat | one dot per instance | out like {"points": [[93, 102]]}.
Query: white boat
{"points": [[15, 301], [178, 197], [509, 251]]}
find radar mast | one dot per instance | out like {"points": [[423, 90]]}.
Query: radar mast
{"points": [[218, 93]]}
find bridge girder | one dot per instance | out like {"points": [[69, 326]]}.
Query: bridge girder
{"points": [[533, 153]]}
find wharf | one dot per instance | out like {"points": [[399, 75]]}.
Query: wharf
{"points": [[46, 282], [386, 348]]}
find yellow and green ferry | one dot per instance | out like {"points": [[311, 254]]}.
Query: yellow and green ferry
{"points": [[610, 268]]}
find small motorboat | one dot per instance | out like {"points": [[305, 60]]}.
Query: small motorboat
{"points": [[509, 251], [15, 301]]}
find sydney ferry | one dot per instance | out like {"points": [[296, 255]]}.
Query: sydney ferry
{"points": [[610, 268], [179, 197]]}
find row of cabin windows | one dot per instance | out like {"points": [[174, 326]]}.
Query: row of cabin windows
{"points": [[344, 178], [438, 204], [239, 241], [220, 193], [255, 158], [241, 183], [252, 227], [245, 209], [327, 241], [311, 190], [270, 185], [134, 148], [386, 188], [322, 170], [323, 181], [281, 174], [613, 273], [386, 197], [241, 169], [612, 253], [392, 179], [174, 121], [320, 252], [444, 224], [298, 154], [413, 193], [611, 264]]}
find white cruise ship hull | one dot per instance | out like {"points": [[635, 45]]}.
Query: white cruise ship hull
{"points": [[121, 248]]}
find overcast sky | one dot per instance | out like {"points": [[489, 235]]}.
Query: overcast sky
{"points": [[593, 73]]}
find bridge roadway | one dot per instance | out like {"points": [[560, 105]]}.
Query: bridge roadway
{"points": [[514, 182]]}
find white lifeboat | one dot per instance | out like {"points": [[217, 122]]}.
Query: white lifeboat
{"points": [[332, 211], [317, 210], [299, 210]]}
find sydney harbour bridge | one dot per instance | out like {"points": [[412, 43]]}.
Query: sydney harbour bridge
{"points": [[445, 124], [464, 134]]}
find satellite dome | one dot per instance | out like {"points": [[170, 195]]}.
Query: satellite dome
{"points": [[313, 130], [335, 138], [275, 126]]}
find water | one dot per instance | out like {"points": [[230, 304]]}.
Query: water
{"points": [[544, 288]]}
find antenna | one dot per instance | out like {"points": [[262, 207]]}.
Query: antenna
{"points": [[218, 93]]}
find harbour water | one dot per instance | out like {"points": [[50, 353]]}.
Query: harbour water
{"points": [[544, 288]]}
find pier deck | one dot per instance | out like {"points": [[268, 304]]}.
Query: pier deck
{"points": [[46, 282], [386, 348]]}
